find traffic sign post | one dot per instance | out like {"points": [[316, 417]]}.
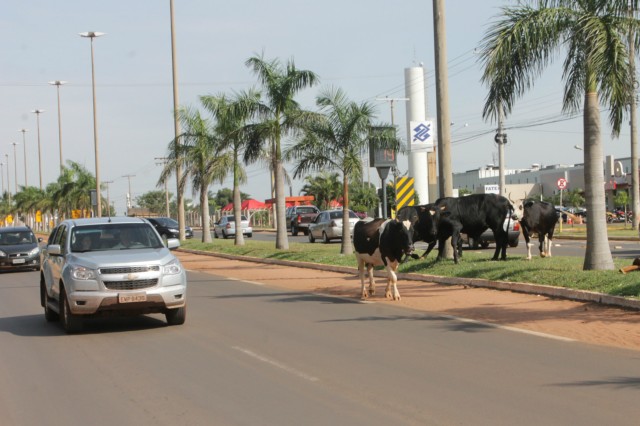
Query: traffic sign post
{"points": [[562, 184]]}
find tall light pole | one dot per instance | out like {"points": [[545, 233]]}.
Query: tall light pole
{"points": [[37, 112], [59, 83], [107, 182], [24, 145], [15, 167], [2, 176], [176, 127], [129, 193], [91, 35], [166, 189], [6, 156]]}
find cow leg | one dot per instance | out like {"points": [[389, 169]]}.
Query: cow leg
{"points": [[361, 265], [372, 284], [454, 244], [501, 238], [429, 248], [527, 239], [548, 245], [543, 244], [391, 292]]}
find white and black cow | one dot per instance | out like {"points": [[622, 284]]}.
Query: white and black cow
{"points": [[539, 217], [473, 214], [381, 242]]}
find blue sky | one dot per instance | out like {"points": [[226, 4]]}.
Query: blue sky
{"points": [[360, 46]]}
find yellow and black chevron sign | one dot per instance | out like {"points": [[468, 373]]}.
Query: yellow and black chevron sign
{"points": [[405, 192]]}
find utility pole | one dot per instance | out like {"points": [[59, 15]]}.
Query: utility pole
{"points": [[129, 195], [442, 103], [176, 127], [107, 182], [24, 146], [166, 189]]}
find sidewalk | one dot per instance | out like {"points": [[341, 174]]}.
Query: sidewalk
{"points": [[581, 321]]}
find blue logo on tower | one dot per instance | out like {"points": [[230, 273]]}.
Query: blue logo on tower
{"points": [[422, 132]]}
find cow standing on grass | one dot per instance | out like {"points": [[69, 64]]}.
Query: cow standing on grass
{"points": [[381, 242], [539, 217], [425, 219], [472, 215]]}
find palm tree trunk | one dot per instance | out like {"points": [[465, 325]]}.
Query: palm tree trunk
{"points": [[598, 253], [282, 242], [204, 208], [347, 247], [237, 206]]}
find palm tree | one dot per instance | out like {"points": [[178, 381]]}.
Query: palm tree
{"points": [[29, 200], [232, 115], [280, 118], [334, 140], [201, 153], [596, 70], [324, 188]]}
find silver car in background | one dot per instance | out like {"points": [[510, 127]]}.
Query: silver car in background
{"points": [[226, 226], [328, 225], [110, 266]]}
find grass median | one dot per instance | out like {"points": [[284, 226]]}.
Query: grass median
{"points": [[561, 271]]}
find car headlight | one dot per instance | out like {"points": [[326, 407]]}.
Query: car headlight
{"points": [[172, 268], [3, 254], [82, 273], [34, 252], [173, 230]]}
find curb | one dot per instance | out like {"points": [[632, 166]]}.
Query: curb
{"points": [[527, 288]]}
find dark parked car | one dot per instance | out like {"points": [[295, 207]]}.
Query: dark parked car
{"points": [[487, 237], [19, 248], [169, 228]]}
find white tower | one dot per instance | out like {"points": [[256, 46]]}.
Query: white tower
{"points": [[416, 111]]}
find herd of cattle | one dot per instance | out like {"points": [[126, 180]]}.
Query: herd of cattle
{"points": [[388, 242]]}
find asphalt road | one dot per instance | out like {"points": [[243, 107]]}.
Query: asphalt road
{"points": [[249, 354], [561, 247]]}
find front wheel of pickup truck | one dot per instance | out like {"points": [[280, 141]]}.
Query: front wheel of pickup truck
{"points": [[176, 316], [70, 322]]}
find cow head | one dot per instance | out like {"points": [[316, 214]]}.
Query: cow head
{"points": [[429, 221], [403, 235]]}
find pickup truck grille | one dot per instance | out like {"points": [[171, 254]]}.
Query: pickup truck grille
{"points": [[130, 285], [128, 269]]}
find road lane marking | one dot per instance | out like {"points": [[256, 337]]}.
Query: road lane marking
{"points": [[276, 364]]}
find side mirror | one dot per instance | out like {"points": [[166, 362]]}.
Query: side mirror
{"points": [[173, 243], [54, 250]]}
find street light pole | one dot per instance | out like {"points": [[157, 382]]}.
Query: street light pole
{"points": [[15, 167], [91, 35], [107, 182], [6, 156], [2, 176], [129, 193], [59, 83], [37, 112], [176, 128], [24, 145]]}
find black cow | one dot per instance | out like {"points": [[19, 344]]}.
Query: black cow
{"points": [[425, 219], [472, 215], [381, 242], [539, 217]]}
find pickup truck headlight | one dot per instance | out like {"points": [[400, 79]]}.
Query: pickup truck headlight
{"points": [[82, 273], [172, 268]]}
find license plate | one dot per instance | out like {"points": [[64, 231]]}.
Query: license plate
{"points": [[17, 261], [132, 297]]}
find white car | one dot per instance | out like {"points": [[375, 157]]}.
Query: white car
{"points": [[109, 266], [328, 225], [227, 227]]}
